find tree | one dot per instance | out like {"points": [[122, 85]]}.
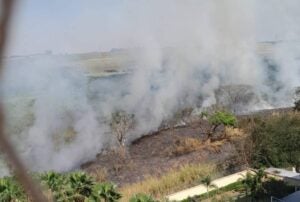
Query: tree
{"points": [[276, 141], [253, 183], [297, 105], [207, 181], [247, 182], [81, 183], [236, 98], [220, 118], [121, 123]]}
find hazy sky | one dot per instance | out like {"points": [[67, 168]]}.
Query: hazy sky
{"points": [[93, 25]]}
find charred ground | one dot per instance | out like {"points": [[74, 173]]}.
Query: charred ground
{"points": [[156, 154]]}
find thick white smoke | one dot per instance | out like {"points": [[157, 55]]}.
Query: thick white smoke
{"points": [[57, 105], [186, 50]]}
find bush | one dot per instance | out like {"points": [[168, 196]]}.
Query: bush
{"points": [[106, 191], [10, 190], [225, 118], [52, 180], [142, 198], [277, 141], [75, 186], [220, 118]]}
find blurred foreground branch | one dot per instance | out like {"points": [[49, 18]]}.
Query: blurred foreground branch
{"points": [[13, 159]]}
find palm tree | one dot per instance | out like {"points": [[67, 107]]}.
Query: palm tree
{"points": [[207, 181], [108, 192], [257, 186], [247, 182], [253, 183]]}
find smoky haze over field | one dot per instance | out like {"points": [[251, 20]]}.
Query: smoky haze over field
{"points": [[186, 51]]}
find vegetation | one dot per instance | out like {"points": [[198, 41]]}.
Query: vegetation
{"points": [[108, 192], [80, 187], [173, 181], [142, 198], [236, 186], [225, 118], [253, 183], [276, 141], [99, 174], [207, 181], [121, 123], [184, 146], [262, 189], [220, 118], [75, 186], [297, 106], [10, 190]]}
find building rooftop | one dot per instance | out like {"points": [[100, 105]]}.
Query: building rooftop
{"points": [[283, 173]]}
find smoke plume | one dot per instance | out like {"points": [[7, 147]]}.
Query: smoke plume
{"points": [[183, 52]]}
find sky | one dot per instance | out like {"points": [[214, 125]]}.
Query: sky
{"points": [[69, 26]]}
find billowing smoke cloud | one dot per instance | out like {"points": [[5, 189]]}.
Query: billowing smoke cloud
{"points": [[187, 50], [44, 123]]}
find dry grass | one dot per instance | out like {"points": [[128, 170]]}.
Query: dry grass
{"points": [[48, 194], [184, 146], [214, 146], [234, 132], [188, 145], [173, 181], [99, 174]]}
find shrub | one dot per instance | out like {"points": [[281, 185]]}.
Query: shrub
{"points": [[10, 190], [52, 180], [297, 105], [220, 118], [106, 191], [277, 141], [121, 123], [253, 183], [75, 186], [225, 118], [142, 198], [81, 183]]}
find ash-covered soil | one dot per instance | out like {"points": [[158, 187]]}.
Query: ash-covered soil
{"points": [[157, 153]]}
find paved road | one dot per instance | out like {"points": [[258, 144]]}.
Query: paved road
{"points": [[201, 189]]}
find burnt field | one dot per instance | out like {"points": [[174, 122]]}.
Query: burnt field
{"points": [[160, 152], [170, 149]]}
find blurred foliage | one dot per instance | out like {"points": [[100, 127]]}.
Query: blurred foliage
{"points": [[253, 183], [10, 190], [69, 187]]}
